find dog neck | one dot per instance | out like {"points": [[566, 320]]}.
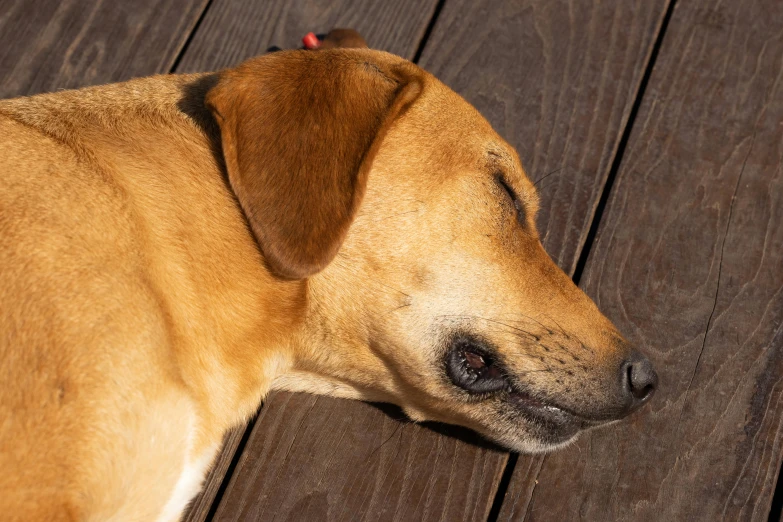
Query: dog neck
{"points": [[332, 350]]}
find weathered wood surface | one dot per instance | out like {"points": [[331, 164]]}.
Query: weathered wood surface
{"points": [[309, 458], [549, 79], [688, 262], [61, 44], [234, 30]]}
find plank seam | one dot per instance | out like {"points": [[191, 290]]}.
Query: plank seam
{"points": [[189, 39], [428, 31], [776, 506], [503, 485], [238, 452], [618, 157]]}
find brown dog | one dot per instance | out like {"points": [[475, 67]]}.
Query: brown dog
{"points": [[337, 222]]}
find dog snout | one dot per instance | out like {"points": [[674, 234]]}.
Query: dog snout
{"points": [[639, 381]]}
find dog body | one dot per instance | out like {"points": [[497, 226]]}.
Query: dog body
{"points": [[165, 265], [140, 321]]}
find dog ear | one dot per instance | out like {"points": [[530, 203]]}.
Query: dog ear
{"points": [[299, 131]]}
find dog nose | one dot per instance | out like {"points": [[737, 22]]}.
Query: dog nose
{"points": [[639, 380]]}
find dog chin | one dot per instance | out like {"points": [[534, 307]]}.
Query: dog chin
{"points": [[415, 415], [529, 440], [536, 440], [535, 446]]}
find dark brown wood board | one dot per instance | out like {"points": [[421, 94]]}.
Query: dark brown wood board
{"points": [[63, 44], [688, 262], [341, 460], [297, 466], [234, 30]]}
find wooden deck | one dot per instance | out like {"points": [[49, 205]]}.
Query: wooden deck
{"points": [[658, 125]]}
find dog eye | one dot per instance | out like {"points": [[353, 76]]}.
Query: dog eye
{"points": [[520, 209]]}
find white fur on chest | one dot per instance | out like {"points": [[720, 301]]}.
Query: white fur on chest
{"points": [[188, 484]]}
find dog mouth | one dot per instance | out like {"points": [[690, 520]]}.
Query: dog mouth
{"points": [[472, 367]]}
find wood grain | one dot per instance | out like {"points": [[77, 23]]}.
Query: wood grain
{"points": [[688, 263], [63, 44], [234, 30], [296, 467], [327, 459]]}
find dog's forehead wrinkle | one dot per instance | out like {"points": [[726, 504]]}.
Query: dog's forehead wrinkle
{"points": [[375, 69], [499, 158]]}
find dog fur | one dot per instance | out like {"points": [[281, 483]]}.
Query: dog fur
{"points": [[174, 247]]}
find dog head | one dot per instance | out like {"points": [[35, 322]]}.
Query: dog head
{"points": [[413, 223]]}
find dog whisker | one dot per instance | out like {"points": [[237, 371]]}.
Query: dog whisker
{"points": [[521, 347], [467, 316], [581, 343], [517, 329], [395, 309], [542, 178], [545, 327], [526, 334]]}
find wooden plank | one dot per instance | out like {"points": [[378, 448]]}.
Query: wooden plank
{"points": [[688, 263], [234, 30], [342, 459], [63, 44], [297, 467]]}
